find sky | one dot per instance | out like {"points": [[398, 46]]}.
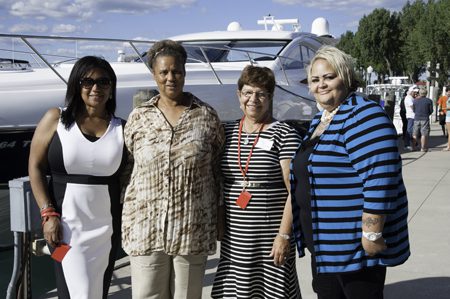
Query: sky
{"points": [[157, 19]]}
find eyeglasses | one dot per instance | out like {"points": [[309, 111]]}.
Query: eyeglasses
{"points": [[262, 95], [100, 82]]}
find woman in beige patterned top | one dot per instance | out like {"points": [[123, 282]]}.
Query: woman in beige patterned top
{"points": [[170, 204]]}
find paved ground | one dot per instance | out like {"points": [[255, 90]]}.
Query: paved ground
{"points": [[426, 274]]}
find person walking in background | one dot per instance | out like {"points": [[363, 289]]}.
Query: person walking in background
{"points": [[349, 202], [442, 110], [169, 220], [405, 135], [389, 105], [82, 145], [410, 143], [423, 108], [257, 253], [447, 119]]}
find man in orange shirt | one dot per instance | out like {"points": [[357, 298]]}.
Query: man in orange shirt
{"points": [[442, 108]]}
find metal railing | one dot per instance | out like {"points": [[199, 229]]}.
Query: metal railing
{"points": [[42, 59]]}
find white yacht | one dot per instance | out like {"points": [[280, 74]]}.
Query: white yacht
{"points": [[34, 77], [396, 89]]}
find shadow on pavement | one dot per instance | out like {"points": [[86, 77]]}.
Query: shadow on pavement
{"points": [[122, 292], [431, 288]]}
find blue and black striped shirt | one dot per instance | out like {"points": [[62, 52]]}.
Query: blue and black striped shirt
{"points": [[355, 167]]}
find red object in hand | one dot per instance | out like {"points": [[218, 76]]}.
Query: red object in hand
{"points": [[59, 252]]}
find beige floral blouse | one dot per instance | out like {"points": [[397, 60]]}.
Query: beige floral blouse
{"points": [[170, 202]]}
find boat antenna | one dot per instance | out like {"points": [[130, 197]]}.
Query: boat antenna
{"points": [[270, 20]]}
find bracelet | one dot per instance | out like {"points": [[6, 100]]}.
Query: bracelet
{"points": [[47, 216], [46, 205], [284, 236], [48, 212]]}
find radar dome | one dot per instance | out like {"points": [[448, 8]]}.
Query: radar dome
{"points": [[234, 26], [320, 27]]}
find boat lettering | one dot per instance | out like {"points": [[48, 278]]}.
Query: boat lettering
{"points": [[7, 144], [13, 144]]}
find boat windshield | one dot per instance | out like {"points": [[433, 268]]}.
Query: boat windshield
{"points": [[233, 50]]}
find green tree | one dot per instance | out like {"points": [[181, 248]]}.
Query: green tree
{"points": [[347, 43], [434, 33], [377, 40], [411, 56]]}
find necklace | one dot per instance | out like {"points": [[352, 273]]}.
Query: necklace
{"points": [[241, 125], [328, 116], [325, 120], [247, 134]]}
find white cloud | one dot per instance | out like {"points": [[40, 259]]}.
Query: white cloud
{"points": [[64, 28], [28, 28], [83, 9], [49, 9], [139, 6], [366, 6]]}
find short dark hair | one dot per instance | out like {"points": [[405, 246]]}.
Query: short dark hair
{"points": [[166, 47], [257, 76], [74, 101]]}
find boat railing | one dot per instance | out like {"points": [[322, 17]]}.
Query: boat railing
{"points": [[248, 53], [43, 58], [27, 40]]}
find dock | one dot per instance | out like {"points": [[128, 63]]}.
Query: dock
{"points": [[427, 272]]}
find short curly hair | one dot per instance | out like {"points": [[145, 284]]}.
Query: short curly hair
{"points": [[257, 76], [166, 47]]}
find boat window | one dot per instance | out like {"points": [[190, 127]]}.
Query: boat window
{"points": [[233, 51], [306, 54], [297, 58]]}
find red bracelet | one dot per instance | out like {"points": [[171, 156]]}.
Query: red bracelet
{"points": [[46, 210], [47, 213]]}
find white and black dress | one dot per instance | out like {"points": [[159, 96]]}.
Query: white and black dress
{"points": [[245, 268], [85, 189]]}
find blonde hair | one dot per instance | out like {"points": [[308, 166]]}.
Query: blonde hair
{"points": [[342, 63]]}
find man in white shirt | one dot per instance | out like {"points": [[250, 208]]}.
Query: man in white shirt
{"points": [[410, 142]]}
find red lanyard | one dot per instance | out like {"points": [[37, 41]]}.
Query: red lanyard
{"points": [[241, 124]]}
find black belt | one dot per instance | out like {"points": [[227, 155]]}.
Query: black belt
{"points": [[83, 179], [253, 184]]}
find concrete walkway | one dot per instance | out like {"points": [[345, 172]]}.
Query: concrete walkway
{"points": [[427, 272]]}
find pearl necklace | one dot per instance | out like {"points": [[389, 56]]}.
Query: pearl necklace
{"points": [[328, 116], [325, 120]]}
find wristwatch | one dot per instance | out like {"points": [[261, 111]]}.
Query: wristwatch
{"points": [[371, 236], [284, 236]]}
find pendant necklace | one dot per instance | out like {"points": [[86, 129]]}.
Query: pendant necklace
{"points": [[246, 141], [247, 135]]}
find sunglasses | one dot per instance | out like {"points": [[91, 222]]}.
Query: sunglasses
{"points": [[100, 82]]}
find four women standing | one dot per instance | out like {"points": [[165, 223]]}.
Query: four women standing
{"points": [[348, 199]]}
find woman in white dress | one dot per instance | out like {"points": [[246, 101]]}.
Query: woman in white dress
{"points": [[82, 147]]}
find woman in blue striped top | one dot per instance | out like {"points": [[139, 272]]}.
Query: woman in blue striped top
{"points": [[349, 202]]}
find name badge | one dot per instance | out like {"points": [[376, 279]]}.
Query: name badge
{"points": [[243, 199], [264, 143]]}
